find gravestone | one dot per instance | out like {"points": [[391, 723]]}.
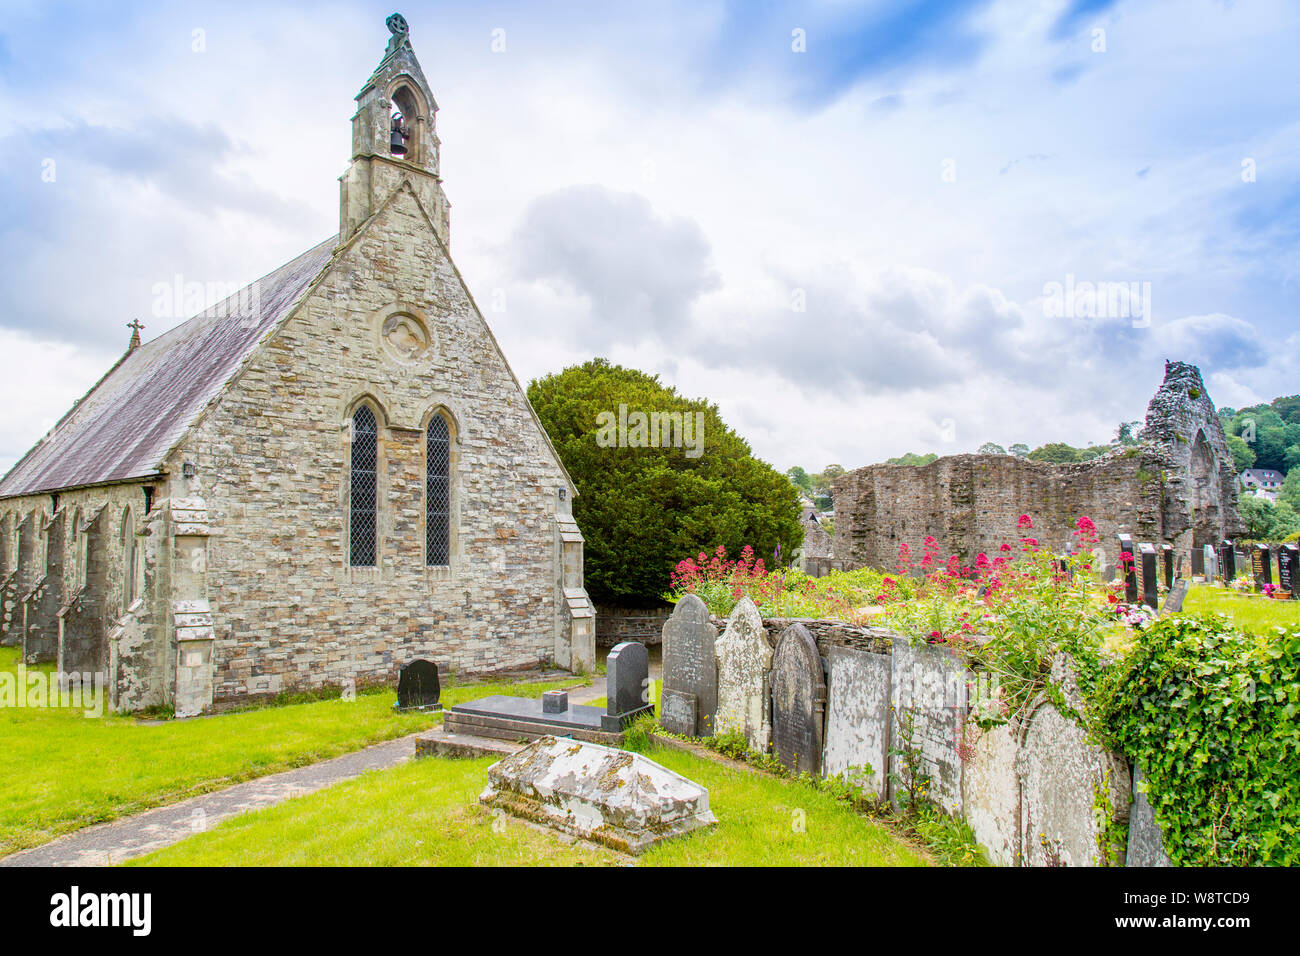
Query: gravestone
{"points": [[1145, 841], [1128, 561], [1227, 561], [1198, 562], [1150, 589], [690, 680], [798, 701], [1288, 566], [928, 695], [1211, 565], [1174, 599], [1167, 564], [418, 687], [627, 686], [744, 660], [1261, 565], [857, 718]]}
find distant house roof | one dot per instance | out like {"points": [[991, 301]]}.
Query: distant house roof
{"points": [[1261, 476], [126, 425]]}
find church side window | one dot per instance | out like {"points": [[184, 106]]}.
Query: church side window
{"points": [[437, 527], [364, 488]]}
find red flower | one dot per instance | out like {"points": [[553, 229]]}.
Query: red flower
{"points": [[1025, 522]]}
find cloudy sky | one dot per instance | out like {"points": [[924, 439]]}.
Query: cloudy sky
{"points": [[848, 224]]}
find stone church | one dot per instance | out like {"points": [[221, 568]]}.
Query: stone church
{"points": [[329, 474]]}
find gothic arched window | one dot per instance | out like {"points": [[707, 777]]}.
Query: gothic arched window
{"points": [[364, 489], [437, 493]]}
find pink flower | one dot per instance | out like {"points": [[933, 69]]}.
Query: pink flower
{"points": [[1085, 525], [1025, 522]]}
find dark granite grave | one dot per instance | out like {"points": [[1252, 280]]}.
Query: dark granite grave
{"points": [[1227, 562], [798, 701], [418, 687], [524, 718], [1288, 566], [627, 686], [1261, 565], [1128, 561], [1167, 564], [555, 701], [1150, 589]]}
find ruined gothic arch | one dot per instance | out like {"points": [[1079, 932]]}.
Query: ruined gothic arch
{"points": [[1204, 490]]}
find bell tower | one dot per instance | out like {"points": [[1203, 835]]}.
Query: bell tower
{"points": [[393, 139]]}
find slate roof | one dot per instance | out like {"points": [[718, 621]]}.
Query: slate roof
{"points": [[131, 419]]}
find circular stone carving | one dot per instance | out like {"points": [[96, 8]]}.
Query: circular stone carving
{"points": [[405, 336]]}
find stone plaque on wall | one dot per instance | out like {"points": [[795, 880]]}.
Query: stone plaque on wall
{"points": [[857, 717], [690, 667], [798, 701]]}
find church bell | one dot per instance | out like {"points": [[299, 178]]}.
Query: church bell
{"points": [[397, 142]]}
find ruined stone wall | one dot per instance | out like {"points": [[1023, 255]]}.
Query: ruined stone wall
{"points": [[1176, 486], [272, 459]]}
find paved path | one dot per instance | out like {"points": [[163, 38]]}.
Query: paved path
{"points": [[113, 842]]}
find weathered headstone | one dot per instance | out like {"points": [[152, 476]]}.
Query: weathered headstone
{"points": [[619, 799], [1167, 564], [690, 671], [1128, 561], [744, 660], [1150, 589], [929, 698], [857, 718], [1288, 568], [798, 701], [1198, 562], [1211, 564], [1261, 565], [1060, 774], [418, 687], [1145, 841], [1174, 599], [627, 686], [1227, 561]]}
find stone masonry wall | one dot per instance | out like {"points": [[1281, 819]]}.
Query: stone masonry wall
{"points": [[272, 463]]}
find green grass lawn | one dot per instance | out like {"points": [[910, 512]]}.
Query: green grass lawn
{"points": [[426, 813], [1253, 614], [60, 771]]}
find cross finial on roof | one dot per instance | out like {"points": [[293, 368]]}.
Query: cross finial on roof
{"points": [[135, 326]]}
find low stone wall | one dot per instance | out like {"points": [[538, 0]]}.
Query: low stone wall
{"points": [[617, 624], [1027, 788]]}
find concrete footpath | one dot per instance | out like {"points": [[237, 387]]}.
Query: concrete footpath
{"points": [[107, 843]]}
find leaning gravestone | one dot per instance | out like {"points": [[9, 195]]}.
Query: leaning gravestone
{"points": [[1150, 590], [1174, 599], [857, 717], [798, 701], [689, 698], [627, 686], [744, 660], [1288, 566], [418, 687]]}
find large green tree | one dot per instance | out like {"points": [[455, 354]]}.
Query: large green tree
{"points": [[643, 509]]}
